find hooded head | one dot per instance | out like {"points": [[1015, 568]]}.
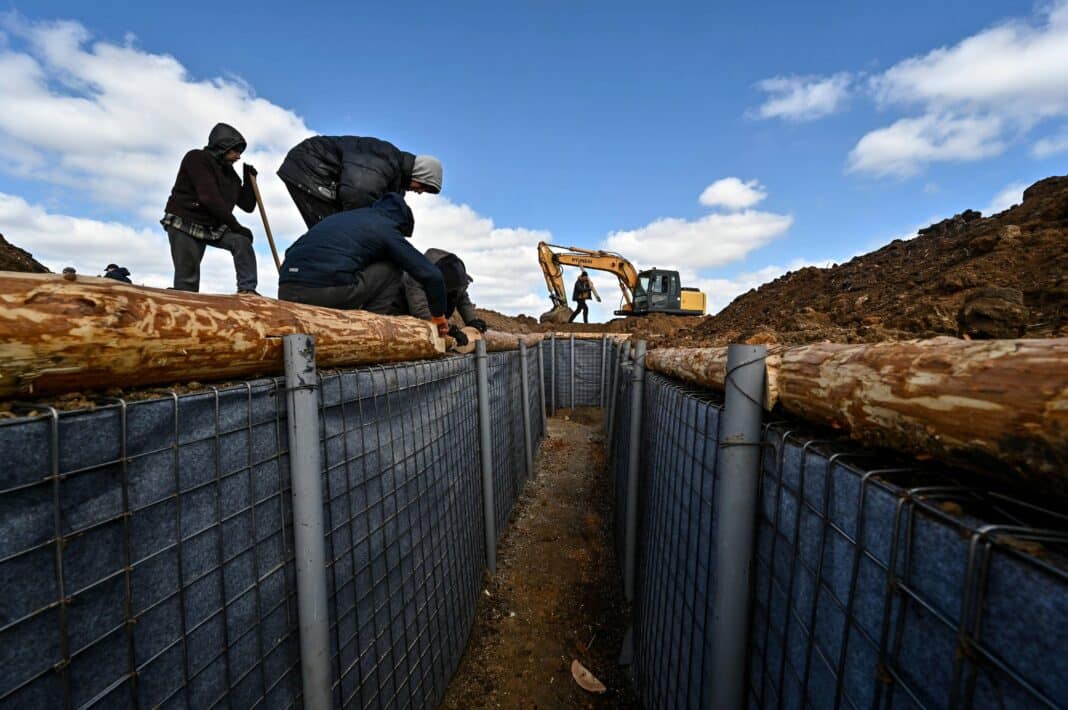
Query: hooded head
{"points": [[224, 137], [427, 172], [394, 208]]}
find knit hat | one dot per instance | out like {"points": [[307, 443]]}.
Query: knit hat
{"points": [[427, 170]]}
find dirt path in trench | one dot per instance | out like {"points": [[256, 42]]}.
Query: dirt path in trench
{"points": [[556, 596]]}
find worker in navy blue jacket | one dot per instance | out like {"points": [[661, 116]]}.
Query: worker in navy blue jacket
{"points": [[355, 260]]}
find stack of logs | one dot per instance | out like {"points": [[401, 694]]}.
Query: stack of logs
{"points": [[1002, 402]]}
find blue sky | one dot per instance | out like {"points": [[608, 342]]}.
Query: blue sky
{"points": [[842, 126]]}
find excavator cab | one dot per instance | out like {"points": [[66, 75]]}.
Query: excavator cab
{"points": [[660, 291]]}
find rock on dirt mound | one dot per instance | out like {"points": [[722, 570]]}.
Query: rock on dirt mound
{"points": [[14, 259]]}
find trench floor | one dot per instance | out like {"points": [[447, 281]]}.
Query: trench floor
{"points": [[556, 596]]}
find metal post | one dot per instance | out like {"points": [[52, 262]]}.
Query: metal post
{"points": [[604, 361], [736, 501], [305, 467], [486, 454], [524, 372], [634, 459], [571, 388], [552, 374], [541, 387]]}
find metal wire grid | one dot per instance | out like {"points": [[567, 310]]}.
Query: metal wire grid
{"points": [[148, 545], [619, 452], [676, 557], [506, 433], [405, 534], [873, 591], [537, 429], [587, 372]]}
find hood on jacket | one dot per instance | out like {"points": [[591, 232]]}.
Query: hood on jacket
{"points": [[436, 256], [224, 137], [393, 207]]}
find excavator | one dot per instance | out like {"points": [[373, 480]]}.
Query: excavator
{"points": [[650, 291]]}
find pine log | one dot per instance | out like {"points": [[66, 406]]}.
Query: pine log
{"points": [[707, 367], [89, 333], [473, 336], [990, 405]]}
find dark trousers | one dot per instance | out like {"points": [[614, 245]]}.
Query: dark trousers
{"points": [[376, 290], [581, 308], [187, 253], [312, 209]]}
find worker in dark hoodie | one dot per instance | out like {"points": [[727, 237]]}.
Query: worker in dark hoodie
{"points": [[355, 259], [328, 174], [119, 273], [411, 298], [199, 212]]}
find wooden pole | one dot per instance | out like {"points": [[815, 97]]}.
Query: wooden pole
{"points": [[58, 335], [266, 226]]}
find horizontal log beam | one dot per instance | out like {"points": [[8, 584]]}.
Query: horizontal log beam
{"points": [[58, 335], [707, 367]]}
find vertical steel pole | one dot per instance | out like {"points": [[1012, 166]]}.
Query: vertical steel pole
{"points": [[630, 568], [305, 467], [552, 374], [486, 454], [541, 387], [604, 362], [736, 503], [571, 388], [524, 373]]}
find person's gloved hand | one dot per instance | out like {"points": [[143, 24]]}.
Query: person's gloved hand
{"points": [[243, 231], [458, 335], [478, 324], [442, 325], [249, 170]]}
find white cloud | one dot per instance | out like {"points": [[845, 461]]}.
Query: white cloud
{"points": [[1051, 145], [803, 98], [1009, 196], [732, 193], [975, 96], [904, 147]]}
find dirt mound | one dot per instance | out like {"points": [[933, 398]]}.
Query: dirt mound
{"points": [[509, 324], [14, 259], [1002, 276]]}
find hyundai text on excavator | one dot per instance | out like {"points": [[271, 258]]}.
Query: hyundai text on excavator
{"points": [[650, 291]]}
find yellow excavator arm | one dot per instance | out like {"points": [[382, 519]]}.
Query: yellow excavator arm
{"points": [[611, 262]]}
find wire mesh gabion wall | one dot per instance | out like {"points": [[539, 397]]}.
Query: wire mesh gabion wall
{"points": [[575, 372], [146, 547], [874, 586]]}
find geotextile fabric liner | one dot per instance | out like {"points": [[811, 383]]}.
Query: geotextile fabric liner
{"points": [[146, 548], [587, 380], [873, 586]]}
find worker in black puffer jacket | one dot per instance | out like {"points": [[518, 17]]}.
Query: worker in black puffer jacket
{"points": [[328, 174], [355, 259]]}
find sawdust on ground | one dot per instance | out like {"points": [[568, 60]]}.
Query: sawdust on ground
{"points": [[556, 596]]}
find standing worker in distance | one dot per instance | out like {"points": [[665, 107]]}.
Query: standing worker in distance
{"points": [[412, 299], [329, 174], [200, 210], [355, 259], [119, 273], [583, 289]]}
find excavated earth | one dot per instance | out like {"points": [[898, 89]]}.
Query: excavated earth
{"points": [[556, 597], [1003, 276]]}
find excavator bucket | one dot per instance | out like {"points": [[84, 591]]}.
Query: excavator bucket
{"points": [[556, 316]]}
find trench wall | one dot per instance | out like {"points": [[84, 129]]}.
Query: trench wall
{"points": [[875, 584], [146, 547]]}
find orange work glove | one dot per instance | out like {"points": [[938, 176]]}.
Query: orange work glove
{"points": [[442, 324]]}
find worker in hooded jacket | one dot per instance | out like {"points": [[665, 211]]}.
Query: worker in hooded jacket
{"points": [[355, 259], [199, 212], [328, 174], [412, 299]]}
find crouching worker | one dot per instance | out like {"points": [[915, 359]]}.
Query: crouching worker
{"points": [[200, 210], [355, 260], [412, 298]]}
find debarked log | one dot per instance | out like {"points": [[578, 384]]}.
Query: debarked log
{"points": [[707, 367], [89, 333], [981, 404]]}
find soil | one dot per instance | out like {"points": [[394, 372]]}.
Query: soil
{"points": [[12, 258], [1003, 276], [556, 596]]}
